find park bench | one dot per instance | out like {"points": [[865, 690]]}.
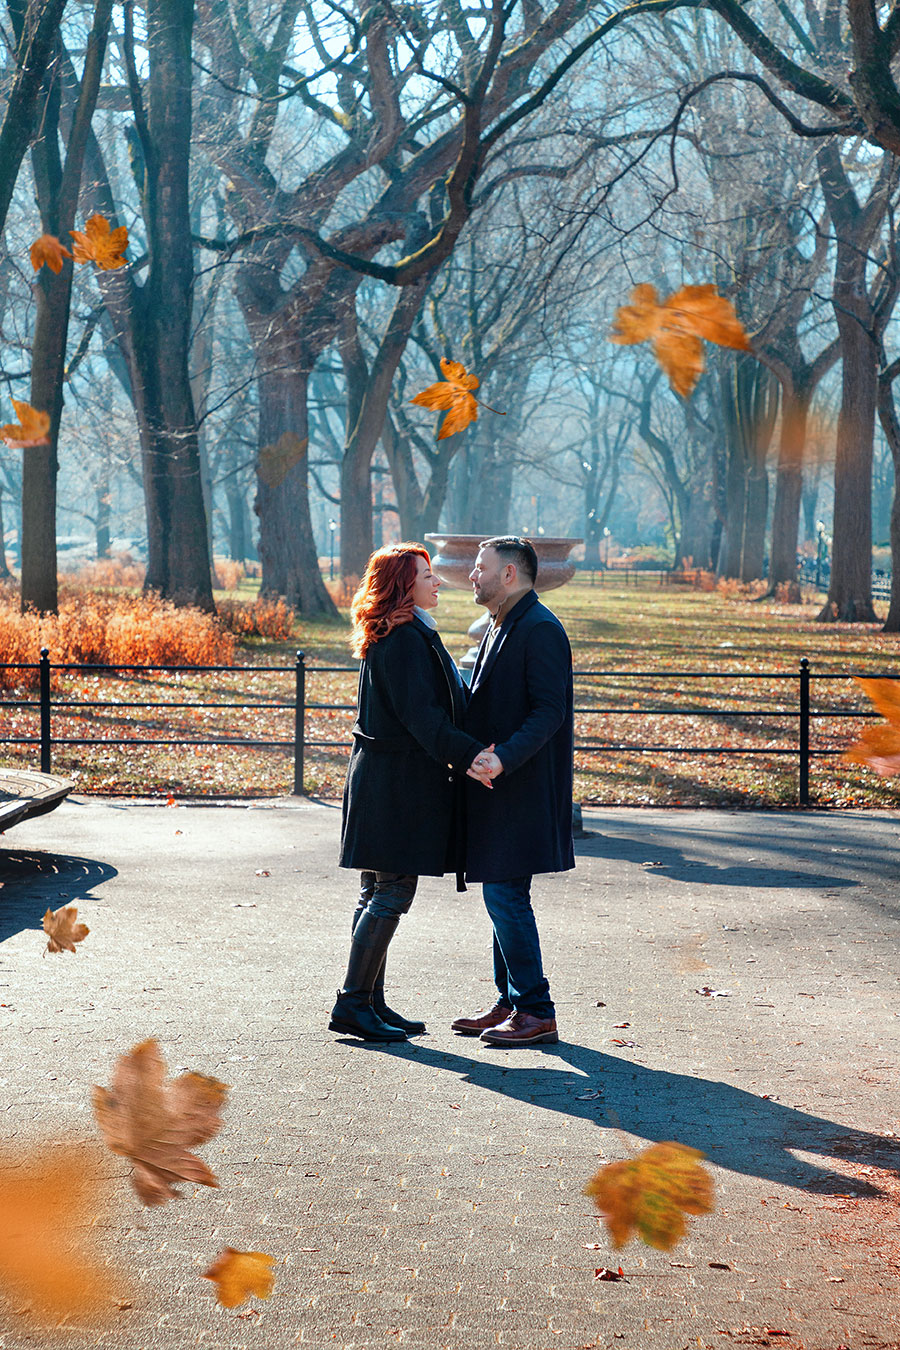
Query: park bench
{"points": [[24, 794]]}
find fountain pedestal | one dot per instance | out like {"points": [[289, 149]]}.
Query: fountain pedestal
{"points": [[453, 557]]}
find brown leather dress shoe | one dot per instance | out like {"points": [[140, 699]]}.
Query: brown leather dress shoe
{"points": [[523, 1029], [474, 1026]]}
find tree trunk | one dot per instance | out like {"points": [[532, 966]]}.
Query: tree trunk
{"points": [[850, 589], [101, 526], [5, 573], [788, 490], [287, 548], [237, 520], [57, 191], [749, 408], [856, 227], [178, 563], [364, 426], [40, 464], [756, 505], [890, 424], [36, 30]]}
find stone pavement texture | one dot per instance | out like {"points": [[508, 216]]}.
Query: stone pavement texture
{"points": [[430, 1194]]}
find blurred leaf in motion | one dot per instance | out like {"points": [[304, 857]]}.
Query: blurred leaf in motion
{"points": [[878, 747], [50, 1198], [649, 1195], [676, 328], [154, 1123], [31, 429], [277, 460], [47, 250]]}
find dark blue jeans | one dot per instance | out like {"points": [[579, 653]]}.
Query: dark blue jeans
{"points": [[518, 970]]}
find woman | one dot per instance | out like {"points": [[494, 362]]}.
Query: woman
{"points": [[400, 816]]}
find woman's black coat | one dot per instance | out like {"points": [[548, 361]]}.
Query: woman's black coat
{"points": [[521, 698], [402, 799]]}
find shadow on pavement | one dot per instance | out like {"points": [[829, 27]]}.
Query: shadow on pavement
{"points": [[670, 861], [34, 882], [735, 1129]]}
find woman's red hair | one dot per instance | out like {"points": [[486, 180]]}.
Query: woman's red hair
{"points": [[384, 599]]}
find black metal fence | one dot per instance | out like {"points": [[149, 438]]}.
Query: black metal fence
{"points": [[795, 705]]}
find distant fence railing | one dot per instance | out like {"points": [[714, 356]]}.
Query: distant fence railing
{"points": [[798, 684]]}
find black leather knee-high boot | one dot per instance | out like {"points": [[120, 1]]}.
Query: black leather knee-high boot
{"points": [[353, 1013], [393, 1019]]}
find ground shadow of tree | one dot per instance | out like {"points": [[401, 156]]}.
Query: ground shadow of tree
{"points": [[34, 882]]}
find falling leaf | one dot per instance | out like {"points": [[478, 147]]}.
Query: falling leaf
{"points": [[50, 1198], [276, 461], [31, 428], [650, 1194], [454, 396], [605, 1274], [62, 929], [878, 747], [99, 244], [676, 327], [240, 1274], [153, 1123], [48, 250]]}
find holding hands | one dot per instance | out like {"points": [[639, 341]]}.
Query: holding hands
{"points": [[485, 766]]}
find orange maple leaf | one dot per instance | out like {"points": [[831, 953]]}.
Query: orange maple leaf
{"points": [[49, 1201], [650, 1194], [31, 428], [676, 327], [48, 250], [240, 1274], [63, 931], [878, 747], [153, 1123], [98, 243], [454, 395]]}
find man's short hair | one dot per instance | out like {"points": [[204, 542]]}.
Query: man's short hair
{"points": [[512, 549]]}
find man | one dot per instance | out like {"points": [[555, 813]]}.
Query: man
{"points": [[520, 707]]}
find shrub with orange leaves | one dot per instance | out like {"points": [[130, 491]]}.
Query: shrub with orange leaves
{"points": [[263, 618], [227, 574], [93, 628], [119, 570], [342, 590]]}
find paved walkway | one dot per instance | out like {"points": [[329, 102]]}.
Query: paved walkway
{"points": [[430, 1195]]}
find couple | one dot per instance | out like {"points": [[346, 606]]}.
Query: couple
{"points": [[442, 779]]}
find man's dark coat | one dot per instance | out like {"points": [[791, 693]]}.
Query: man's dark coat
{"points": [[521, 698], [402, 800]]}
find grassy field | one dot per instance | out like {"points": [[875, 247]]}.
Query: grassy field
{"points": [[649, 716]]}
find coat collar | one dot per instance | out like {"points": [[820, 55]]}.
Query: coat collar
{"points": [[482, 670]]}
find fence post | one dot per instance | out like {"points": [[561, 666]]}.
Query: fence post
{"points": [[804, 732], [299, 722], [45, 709]]}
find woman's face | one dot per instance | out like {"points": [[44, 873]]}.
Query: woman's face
{"points": [[426, 585]]}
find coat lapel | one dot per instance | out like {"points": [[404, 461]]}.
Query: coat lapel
{"points": [[483, 668]]}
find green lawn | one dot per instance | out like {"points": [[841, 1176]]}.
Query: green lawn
{"points": [[614, 628]]}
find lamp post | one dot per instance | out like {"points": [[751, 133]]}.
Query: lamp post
{"points": [[606, 548], [820, 552], [332, 526]]}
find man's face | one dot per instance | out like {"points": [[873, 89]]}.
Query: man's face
{"points": [[487, 578]]}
